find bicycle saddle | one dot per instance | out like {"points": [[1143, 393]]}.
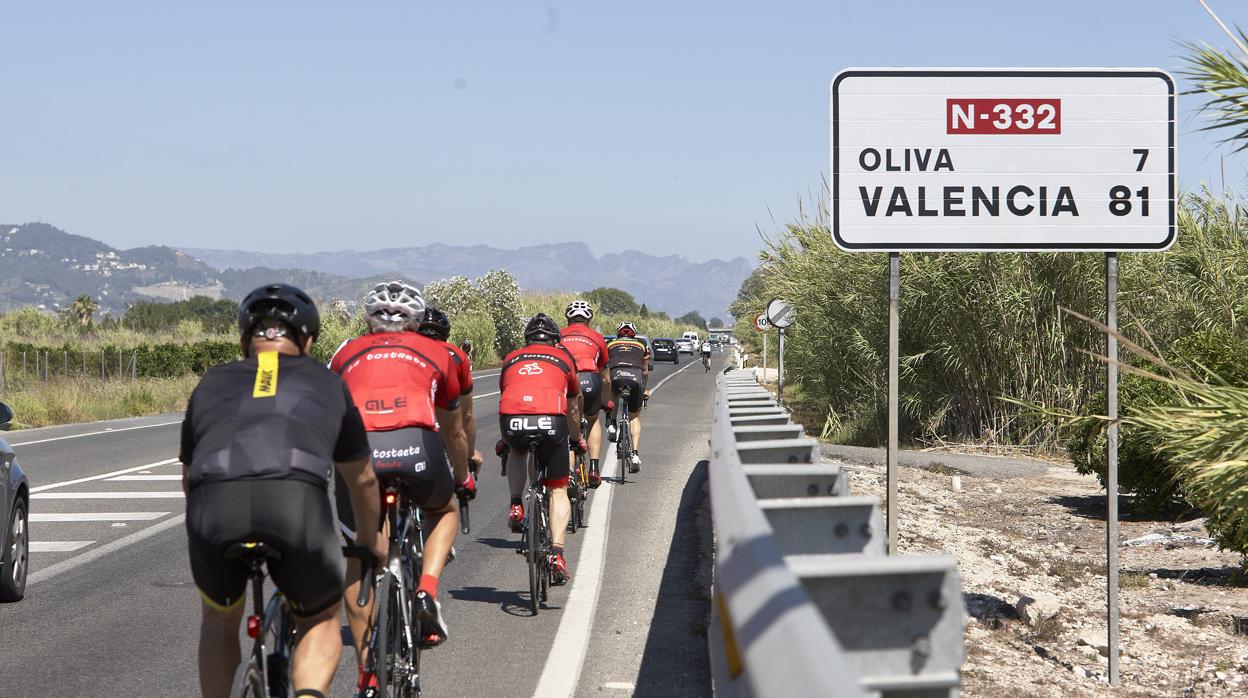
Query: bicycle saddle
{"points": [[251, 551]]}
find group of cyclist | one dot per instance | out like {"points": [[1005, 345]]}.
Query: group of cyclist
{"points": [[263, 437]]}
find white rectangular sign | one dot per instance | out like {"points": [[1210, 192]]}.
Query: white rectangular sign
{"points": [[997, 159]]}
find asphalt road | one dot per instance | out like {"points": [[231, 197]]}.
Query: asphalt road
{"points": [[111, 609]]}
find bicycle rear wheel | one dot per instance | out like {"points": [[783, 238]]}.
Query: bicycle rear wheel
{"points": [[532, 550], [545, 548], [248, 681]]}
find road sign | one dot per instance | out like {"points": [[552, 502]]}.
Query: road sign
{"points": [[781, 313], [761, 322], [996, 159]]}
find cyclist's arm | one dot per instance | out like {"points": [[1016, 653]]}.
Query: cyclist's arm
{"points": [[469, 422], [365, 502], [456, 440], [574, 418], [607, 395]]}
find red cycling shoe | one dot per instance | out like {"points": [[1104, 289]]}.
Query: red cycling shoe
{"points": [[515, 519]]}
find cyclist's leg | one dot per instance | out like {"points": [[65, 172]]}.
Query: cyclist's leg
{"points": [[300, 524], [436, 496], [550, 453], [214, 512], [516, 475]]}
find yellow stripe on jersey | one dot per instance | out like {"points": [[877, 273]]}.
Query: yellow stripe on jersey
{"points": [[266, 375]]}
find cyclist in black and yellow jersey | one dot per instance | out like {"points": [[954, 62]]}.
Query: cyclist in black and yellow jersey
{"points": [[260, 440], [628, 360]]}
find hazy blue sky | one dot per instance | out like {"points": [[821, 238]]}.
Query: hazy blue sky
{"points": [[671, 127]]}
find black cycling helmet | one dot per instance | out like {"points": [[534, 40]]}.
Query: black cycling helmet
{"points": [[435, 324], [541, 328], [286, 303]]}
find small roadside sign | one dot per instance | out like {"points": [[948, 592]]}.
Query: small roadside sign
{"points": [[761, 322], [781, 313]]}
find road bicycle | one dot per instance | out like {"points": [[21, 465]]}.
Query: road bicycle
{"points": [[394, 633], [536, 542], [266, 673], [578, 492], [623, 435]]}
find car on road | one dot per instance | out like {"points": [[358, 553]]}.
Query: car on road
{"points": [[15, 514], [685, 346], [646, 341], [665, 350]]}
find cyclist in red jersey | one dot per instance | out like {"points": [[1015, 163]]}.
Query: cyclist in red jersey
{"points": [[541, 397], [436, 325], [406, 388], [589, 349]]}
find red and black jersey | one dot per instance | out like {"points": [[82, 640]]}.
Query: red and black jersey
{"points": [[537, 379], [397, 379], [585, 345], [462, 368]]}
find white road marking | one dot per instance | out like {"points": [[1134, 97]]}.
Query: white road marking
{"points": [[486, 375], [58, 546], [496, 392], [108, 495], [563, 665], [102, 476], [562, 671], [100, 516], [144, 478], [94, 433], [618, 686], [97, 553]]}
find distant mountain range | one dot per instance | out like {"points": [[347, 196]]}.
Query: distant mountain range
{"points": [[44, 266]]}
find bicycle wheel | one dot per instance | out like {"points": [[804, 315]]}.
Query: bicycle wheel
{"points": [[532, 549], [248, 681], [546, 546], [623, 441], [382, 651], [279, 636]]}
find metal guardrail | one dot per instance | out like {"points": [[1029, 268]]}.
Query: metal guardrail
{"points": [[806, 603]]}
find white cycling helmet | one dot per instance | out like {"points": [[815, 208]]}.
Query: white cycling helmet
{"points": [[396, 300], [579, 309], [630, 327]]}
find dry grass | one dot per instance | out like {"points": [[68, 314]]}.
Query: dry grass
{"points": [[39, 404]]}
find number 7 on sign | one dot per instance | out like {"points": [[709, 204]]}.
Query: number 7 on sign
{"points": [[1143, 153]]}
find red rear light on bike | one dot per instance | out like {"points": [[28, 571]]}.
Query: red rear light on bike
{"points": [[390, 498], [253, 627]]}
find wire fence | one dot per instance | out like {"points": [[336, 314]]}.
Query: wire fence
{"points": [[24, 366]]}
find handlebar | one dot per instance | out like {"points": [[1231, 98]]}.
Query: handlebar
{"points": [[368, 562]]}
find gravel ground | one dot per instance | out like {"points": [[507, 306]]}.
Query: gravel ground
{"points": [[1025, 528]]}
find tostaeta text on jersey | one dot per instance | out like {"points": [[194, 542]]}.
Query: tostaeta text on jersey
{"points": [[954, 200]]}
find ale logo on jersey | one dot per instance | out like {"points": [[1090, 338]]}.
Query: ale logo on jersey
{"points": [[532, 368], [532, 424]]}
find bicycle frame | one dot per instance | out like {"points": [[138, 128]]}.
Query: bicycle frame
{"points": [[395, 585], [275, 618], [537, 533]]}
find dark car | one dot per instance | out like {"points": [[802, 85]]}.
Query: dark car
{"points": [[665, 350], [15, 515]]}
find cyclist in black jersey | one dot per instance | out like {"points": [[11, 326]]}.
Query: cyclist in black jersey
{"points": [[260, 439], [628, 359]]}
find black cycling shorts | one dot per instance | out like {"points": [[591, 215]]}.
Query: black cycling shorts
{"points": [[292, 516], [415, 459], [630, 379], [591, 389], [551, 432]]}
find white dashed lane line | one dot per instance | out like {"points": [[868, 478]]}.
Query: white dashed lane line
{"points": [[98, 516], [144, 478], [108, 495], [102, 476], [58, 546]]}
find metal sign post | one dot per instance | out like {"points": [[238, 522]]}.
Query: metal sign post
{"points": [[780, 314], [894, 300], [1111, 460], [780, 370]]}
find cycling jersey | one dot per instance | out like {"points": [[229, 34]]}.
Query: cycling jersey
{"points": [[706, 347], [537, 379], [626, 352], [398, 379], [462, 367], [270, 417], [585, 345]]}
